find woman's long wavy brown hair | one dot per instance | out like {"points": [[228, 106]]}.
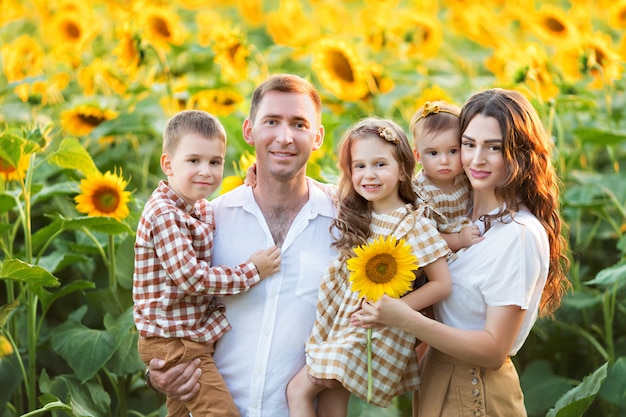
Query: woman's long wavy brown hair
{"points": [[354, 213], [531, 179]]}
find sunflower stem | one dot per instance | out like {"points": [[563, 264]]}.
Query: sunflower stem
{"points": [[112, 280], [369, 365]]}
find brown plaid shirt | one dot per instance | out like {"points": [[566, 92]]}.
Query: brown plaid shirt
{"points": [[174, 283]]}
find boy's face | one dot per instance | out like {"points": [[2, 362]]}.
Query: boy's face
{"points": [[440, 156], [195, 169]]}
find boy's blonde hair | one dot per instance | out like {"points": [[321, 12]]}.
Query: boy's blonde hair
{"points": [[189, 122]]}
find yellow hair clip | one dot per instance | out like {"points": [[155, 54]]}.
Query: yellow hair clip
{"points": [[433, 108]]}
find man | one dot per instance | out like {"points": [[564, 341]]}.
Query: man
{"points": [[272, 322]]}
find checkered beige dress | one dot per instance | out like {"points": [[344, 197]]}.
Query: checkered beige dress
{"points": [[338, 350], [448, 210]]}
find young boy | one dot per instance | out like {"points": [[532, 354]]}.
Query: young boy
{"points": [[174, 283], [441, 184]]}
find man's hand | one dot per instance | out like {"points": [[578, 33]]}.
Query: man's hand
{"points": [[179, 382]]}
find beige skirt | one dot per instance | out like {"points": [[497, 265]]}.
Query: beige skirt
{"points": [[452, 388]]}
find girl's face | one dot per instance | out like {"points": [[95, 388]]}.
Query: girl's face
{"points": [[440, 156], [376, 173], [482, 154]]}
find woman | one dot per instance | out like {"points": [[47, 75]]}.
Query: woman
{"points": [[499, 284]]}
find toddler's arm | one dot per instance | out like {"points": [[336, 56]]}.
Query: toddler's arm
{"points": [[468, 236]]}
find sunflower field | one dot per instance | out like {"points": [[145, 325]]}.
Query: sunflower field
{"points": [[87, 86]]}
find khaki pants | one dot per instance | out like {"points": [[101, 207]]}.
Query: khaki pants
{"points": [[451, 388], [213, 399]]}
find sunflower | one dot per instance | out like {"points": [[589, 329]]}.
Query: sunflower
{"points": [[384, 266], [424, 37], [553, 26], [241, 171], [22, 58], [104, 195], [251, 11], [43, 91], [231, 52], [10, 172], [5, 347], [11, 10], [340, 70], [218, 101], [526, 67], [69, 32], [593, 56], [290, 25], [617, 15], [82, 119], [162, 27], [128, 52]]}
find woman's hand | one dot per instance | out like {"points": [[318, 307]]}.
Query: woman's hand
{"points": [[179, 382], [386, 311]]}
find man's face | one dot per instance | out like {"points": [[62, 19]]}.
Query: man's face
{"points": [[285, 132]]}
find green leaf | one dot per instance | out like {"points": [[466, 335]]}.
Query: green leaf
{"points": [[610, 276], [5, 310], [48, 298], [85, 350], [541, 387], [57, 189], [106, 301], [613, 388], [574, 402], [60, 224], [85, 398], [125, 262], [599, 136], [11, 377], [582, 300], [126, 358], [7, 202], [12, 147], [19, 270], [58, 260], [71, 154]]}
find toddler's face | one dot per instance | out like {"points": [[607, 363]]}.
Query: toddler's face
{"points": [[440, 156]]}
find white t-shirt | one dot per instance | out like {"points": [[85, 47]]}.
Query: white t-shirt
{"points": [[509, 267], [272, 321]]}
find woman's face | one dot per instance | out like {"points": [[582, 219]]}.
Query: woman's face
{"points": [[482, 153]]}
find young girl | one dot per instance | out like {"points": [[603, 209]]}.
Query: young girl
{"points": [[500, 284], [375, 199], [441, 184]]}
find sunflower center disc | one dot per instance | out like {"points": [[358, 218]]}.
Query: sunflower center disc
{"points": [[381, 268]]}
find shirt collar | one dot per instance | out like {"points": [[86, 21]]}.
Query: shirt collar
{"points": [[178, 202], [319, 202]]}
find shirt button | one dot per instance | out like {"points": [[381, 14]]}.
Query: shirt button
{"points": [[477, 412], [474, 381], [475, 392]]}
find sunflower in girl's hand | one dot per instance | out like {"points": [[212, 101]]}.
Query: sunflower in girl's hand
{"points": [[384, 266]]}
